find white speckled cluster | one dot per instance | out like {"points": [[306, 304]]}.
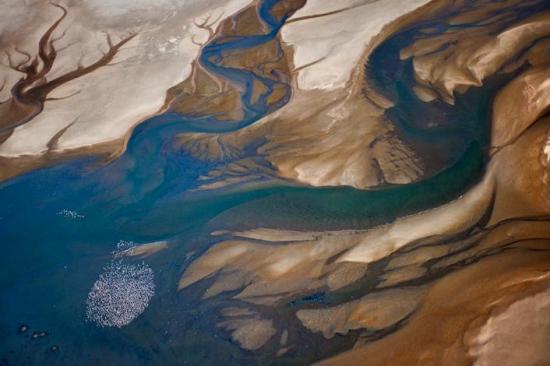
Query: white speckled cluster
{"points": [[69, 214], [123, 245], [121, 294]]}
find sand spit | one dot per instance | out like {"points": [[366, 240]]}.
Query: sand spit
{"points": [[267, 272], [143, 250], [374, 312], [247, 328]]}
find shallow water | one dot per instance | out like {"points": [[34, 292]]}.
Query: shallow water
{"points": [[59, 226]]}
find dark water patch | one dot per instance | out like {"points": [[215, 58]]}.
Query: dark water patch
{"points": [[437, 131]]}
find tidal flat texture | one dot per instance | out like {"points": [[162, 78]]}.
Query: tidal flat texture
{"points": [[275, 182]]}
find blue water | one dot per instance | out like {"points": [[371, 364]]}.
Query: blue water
{"points": [[50, 261]]}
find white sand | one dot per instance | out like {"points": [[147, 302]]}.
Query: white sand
{"points": [[338, 39], [112, 99]]}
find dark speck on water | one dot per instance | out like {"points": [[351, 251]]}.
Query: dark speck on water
{"points": [[39, 334]]}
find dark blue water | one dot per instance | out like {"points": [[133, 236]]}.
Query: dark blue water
{"points": [[50, 259]]}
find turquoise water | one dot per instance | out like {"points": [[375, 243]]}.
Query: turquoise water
{"points": [[59, 226]]}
